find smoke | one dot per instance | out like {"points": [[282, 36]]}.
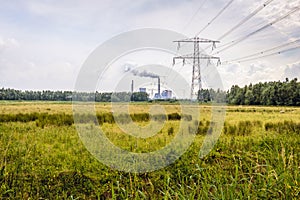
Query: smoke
{"points": [[144, 74], [129, 67]]}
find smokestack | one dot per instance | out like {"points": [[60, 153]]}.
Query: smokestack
{"points": [[132, 86], [158, 87]]}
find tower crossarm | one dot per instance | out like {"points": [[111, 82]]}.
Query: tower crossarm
{"points": [[202, 57], [196, 40], [196, 57], [200, 40]]}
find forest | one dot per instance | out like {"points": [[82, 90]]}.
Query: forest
{"points": [[47, 95], [276, 93]]}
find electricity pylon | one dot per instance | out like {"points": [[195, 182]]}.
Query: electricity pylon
{"points": [[196, 56]]}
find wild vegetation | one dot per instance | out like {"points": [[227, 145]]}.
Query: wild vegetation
{"points": [[256, 157], [274, 93]]}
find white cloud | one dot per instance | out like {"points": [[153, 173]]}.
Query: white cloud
{"points": [[279, 9], [242, 74], [8, 43], [44, 43], [292, 71]]}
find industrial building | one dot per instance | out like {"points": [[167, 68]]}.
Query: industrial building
{"points": [[142, 90], [166, 94]]}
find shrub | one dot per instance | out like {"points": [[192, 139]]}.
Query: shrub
{"points": [[140, 117], [170, 130], [203, 127], [242, 128], [283, 127], [174, 116]]}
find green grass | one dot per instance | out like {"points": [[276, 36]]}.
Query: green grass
{"points": [[50, 162]]}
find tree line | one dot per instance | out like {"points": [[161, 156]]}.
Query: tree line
{"points": [[47, 95], [286, 93], [276, 93]]}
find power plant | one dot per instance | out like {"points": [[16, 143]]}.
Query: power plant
{"points": [[166, 94]]}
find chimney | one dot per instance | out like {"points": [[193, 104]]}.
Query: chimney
{"points": [[132, 86], [158, 87]]}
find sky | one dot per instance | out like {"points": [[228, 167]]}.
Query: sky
{"points": [[43, 43]]}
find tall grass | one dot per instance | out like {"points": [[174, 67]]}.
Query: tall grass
{"points": [[44, 163], [253, 159], [283, 127], [60, 119]]}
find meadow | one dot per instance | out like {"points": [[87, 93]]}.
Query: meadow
{"points": [[42, 156]]}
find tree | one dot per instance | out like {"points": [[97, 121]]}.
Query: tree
{"points": [[140, 96]]}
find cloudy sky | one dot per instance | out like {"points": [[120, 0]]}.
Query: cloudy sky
{"points": [[44, 43]]}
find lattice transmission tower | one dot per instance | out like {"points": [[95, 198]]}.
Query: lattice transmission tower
{"points": [[196, 86]]}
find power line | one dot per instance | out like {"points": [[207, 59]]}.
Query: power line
{"points": [[246, 19], [213, 19], [243, 21], [235, 42], [267, 55], [264, 52], [195, 14]]}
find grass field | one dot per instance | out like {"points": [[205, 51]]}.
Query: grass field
{"points": [[42, 157]]}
